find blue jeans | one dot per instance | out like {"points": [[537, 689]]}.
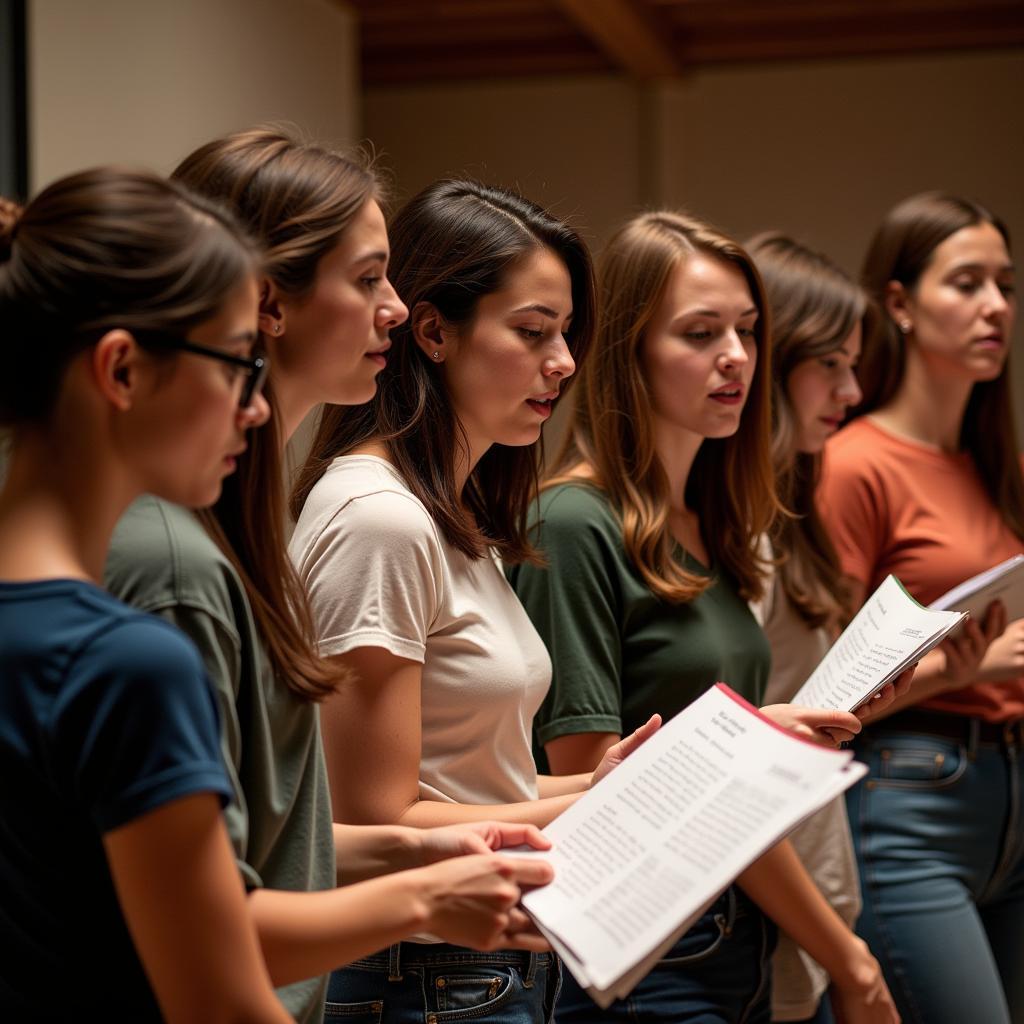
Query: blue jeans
{"points": [[719, 972], [414, 983], [939, 829]]}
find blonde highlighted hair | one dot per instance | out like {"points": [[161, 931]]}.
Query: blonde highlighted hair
{"points": [[611, 431]]}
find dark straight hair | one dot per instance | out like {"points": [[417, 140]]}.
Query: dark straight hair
{"points": [[900, 251], [103, 249], [815, 307], [297, 199], [452, 244]]}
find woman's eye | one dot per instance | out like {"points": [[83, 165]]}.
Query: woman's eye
{"points": [[966, 285], [829, 363], [370, 282], [746, 332], [531, 333], [1007, 288], [697, 335]]}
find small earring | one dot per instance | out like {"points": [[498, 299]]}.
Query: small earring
{"points": [[905, 326], [436, 356], [277, 328]]}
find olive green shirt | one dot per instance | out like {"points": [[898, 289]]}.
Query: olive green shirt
{"points": [[619, 652], [162, 561]]}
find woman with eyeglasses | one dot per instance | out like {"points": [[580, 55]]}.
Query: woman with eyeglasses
{"points": [[223, 575], [123, 299]]}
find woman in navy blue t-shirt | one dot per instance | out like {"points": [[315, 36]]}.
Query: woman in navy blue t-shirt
{"points": [[129, 316]]}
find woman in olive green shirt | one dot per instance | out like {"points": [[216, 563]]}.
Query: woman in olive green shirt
{"points": [[651, 525]]}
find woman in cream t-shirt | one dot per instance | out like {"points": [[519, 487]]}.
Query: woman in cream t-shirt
{"points": [[403, 510]]}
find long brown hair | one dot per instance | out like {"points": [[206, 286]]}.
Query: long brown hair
{"points": [[900, 251], [814, 307], [297, 200], [103, 249], [612, 426], [452, 244]]}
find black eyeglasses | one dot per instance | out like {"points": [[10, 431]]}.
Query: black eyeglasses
{"points": [[255, 368]]}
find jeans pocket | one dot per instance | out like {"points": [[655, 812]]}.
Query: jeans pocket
{"points": [[355, 1013], [700, 942], [919, 761], [463, 991]]}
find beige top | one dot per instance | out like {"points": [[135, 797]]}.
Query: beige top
{"points": [[823, 842], [380, 574]]}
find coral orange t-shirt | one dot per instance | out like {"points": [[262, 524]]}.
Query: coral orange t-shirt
{"points": [[895, 506]]}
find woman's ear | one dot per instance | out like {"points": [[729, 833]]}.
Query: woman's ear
{"points": [[429, 330], [116, 363], [897, 303], [271, 317]]}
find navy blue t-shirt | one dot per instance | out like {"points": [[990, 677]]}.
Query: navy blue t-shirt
{"points": [[105, 714]]}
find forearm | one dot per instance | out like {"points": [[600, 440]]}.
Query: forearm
{"points": [[430, 813], [562, 785], [369, 851], [780, 885], [303, 934]]}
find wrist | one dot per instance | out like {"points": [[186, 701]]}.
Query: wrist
{"points": [[855, 967], [421, 896]]}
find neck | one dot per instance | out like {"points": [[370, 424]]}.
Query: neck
{"points": [[291, 408], [929, 406], [466, 460], [58, 510], [677, 448]]}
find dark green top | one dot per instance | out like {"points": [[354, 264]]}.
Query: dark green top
{"points": [[619, 652]]}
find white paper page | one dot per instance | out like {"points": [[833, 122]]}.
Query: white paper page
{"points": [[1004, 581], [889, 633], [673, 825]]}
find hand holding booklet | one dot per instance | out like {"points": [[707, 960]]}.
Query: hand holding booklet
{"points": [[642, 854], [890, 633], [1003, 582]]}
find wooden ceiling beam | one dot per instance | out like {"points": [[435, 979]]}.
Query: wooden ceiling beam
{"points": [[625, 33]]}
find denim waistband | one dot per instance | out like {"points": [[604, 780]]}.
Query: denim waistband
{"points": [[967, 729]]}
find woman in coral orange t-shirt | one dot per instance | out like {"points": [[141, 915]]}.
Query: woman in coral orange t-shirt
{"points": [[928, 486]]}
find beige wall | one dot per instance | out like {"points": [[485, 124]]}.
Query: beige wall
{"points": [[823, 149], [146, 81], [573, 144], [819, 149]]}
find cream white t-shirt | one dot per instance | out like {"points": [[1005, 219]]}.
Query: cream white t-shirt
{"points": [[823, 842], [379, 573]]}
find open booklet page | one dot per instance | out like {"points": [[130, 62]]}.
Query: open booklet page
{"points": [[1003, 582], [640, 856], [889, 634]]}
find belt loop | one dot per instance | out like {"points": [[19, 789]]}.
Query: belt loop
{"points": [[395, 962], [531, 970], [973, 733]]}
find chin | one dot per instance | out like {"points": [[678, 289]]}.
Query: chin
{"points": [[355, 392], [519, 438]]}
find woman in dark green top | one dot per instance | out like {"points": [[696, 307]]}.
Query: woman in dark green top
{"points": [[651, 524]]}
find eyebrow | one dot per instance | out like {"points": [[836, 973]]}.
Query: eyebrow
{"points": [[718, 316], [959, 268], [543, 310], [366, 257]]}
